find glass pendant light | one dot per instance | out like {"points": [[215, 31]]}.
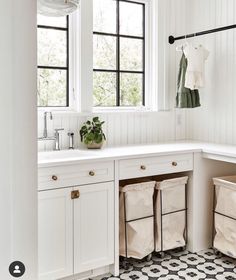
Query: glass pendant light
{"points": [[57, 8]]}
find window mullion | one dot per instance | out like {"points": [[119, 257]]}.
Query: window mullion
{"points": [[118, 55], [67, 64], [52, 27], [52, 67], [116, 35], [144, 52]]}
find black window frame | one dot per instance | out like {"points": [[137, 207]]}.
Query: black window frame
{"points": [[66, 68], [118, 35]]}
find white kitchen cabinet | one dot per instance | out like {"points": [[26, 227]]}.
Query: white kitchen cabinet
{"points": [[151, 166], [94, 227], [75, 234], [55, 234], [75, 175]]}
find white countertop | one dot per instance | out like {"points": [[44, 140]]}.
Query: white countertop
{"points": [[66, 157]]}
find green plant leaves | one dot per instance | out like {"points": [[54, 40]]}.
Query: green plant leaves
{"points": [[98, 138], [91, 131], [96, 119]]}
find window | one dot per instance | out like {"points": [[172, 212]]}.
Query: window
{"points": [[118, 53], [53, 61]]}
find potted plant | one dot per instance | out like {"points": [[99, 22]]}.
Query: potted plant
{"points": [[91, 133]]}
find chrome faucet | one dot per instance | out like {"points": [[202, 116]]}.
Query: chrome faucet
{"points": [[56, 136], [45, 129], [57, 139]]}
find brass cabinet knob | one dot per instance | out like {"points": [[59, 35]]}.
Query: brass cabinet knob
{"points": [[75, 194], [174, 163], [143, 167], [91, 173], [54, 177]]}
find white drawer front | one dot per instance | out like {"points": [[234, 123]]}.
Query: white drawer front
{"points": [[141, 167], [75, 175]]}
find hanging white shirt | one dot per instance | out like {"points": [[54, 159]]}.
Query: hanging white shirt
{"points": [[195, 74]]}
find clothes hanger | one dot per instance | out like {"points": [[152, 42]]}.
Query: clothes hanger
{"points": [[197, 45], [182, 46]]}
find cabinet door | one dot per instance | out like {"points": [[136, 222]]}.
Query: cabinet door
{"points": [[55, 234], [94, 227]]}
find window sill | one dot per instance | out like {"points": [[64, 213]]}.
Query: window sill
{"points": [[61, 111], [101, 110], [55, 109]]}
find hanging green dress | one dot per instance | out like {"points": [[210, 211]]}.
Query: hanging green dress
{"points": [[186, 98]]}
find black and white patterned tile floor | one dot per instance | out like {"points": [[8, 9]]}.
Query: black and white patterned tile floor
{"points": [[180, 265]]}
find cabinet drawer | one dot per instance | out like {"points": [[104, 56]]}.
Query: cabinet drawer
{"points": [[75, 175], [141, 167]]}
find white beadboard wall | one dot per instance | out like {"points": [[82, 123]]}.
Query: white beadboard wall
{"points": [[137, 127], [215, 120], [120, 128]]}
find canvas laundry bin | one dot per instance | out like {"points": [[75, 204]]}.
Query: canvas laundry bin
{"points": [[171, 214], [225, 215], [137, 220]]}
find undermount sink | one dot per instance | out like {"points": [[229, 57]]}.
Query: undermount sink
{"points": [[64, 155]]}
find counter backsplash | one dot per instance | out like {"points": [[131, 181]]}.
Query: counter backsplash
{"points": [[120, 128]]}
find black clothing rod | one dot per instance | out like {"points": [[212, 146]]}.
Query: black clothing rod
{"points": [[172, 39]]}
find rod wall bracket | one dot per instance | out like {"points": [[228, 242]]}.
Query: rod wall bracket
{"points": [[171, 39]]}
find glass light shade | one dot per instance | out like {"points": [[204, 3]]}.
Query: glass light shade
{"points": [[57, 8]]}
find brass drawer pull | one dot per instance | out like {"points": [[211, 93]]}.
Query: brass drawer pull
{"points": [[54, 178], [143, 167], [174, 163], [91, 173], [75, 194]]}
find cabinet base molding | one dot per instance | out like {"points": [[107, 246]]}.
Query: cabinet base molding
{"points": [[94, 274]]}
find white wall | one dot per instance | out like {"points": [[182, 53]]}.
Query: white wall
{"points": [[18, 159], [120, 128], [215, 120], [140, 127]]}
